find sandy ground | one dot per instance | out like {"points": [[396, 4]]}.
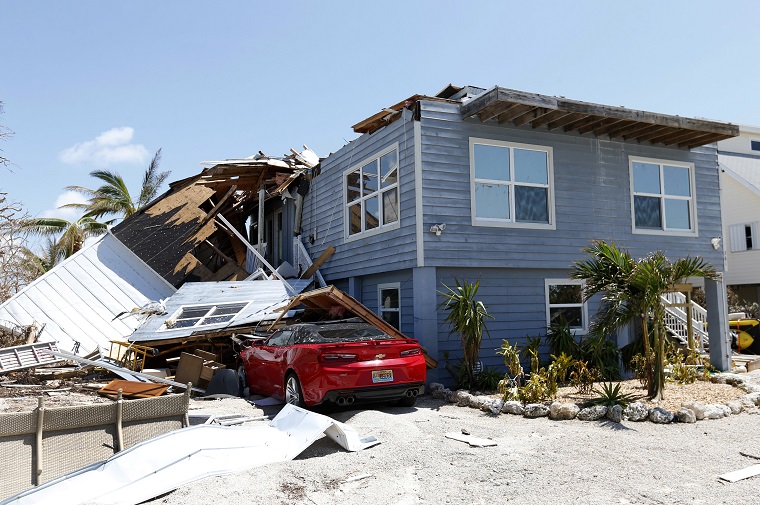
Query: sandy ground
{"points": [[535, 461]]}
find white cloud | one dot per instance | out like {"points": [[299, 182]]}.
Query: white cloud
{"points": [[108, 148], [67, 213]]}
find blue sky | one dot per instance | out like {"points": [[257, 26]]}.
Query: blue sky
{"points": [[102, 85]]}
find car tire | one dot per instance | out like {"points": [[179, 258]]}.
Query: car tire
{"points": [[407, 401], [293, 392], [241, 380]]}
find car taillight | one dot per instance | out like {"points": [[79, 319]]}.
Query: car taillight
{"points": [[410, 352], [334, 357]]}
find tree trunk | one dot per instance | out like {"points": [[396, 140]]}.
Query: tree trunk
{"points": [[658, 384]]}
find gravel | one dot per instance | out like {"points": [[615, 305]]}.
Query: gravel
{"points": [[535, 461]]}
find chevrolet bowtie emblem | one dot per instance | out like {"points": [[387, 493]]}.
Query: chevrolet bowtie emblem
{"points": [[379, 356]]}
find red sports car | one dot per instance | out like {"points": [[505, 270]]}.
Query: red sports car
{"points": [[336, 361]]}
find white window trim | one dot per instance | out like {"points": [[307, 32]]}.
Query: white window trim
{"points": [[692, 199], [584, 305], [381, 227], [380, 308], [177, 312], [503, 223]]}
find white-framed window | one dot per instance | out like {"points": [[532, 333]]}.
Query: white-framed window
{"points": [[203, 315], [743, 237], [564, 303], [371, 196], [389, 306], [662, 197], [511, 184]]}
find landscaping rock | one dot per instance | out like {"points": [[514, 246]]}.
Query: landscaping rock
{"points": [[747, 402], [718, 379], [563, 411], [716, 411], [696, 407], [461, 398], [735, 406], [491, 405], [615, 413], [513, 407], [685, 415], [435, 386], [636, 411], [536, 410], [442, 394], [660, 416], [592, 413]]}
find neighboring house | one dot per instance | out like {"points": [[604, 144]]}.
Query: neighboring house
{"points": [[77, 303], [508, 187], [739, 160]]}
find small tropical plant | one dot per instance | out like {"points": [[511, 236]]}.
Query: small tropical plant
{"points": [[582, 377], [466, 317], [510, 384], [561, 339], [609, 396]]}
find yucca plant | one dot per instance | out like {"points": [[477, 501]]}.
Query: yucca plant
{"points": [[466, 317], [609, 396]]}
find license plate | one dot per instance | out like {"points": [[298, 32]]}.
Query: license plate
{"points": [[382, 376]]}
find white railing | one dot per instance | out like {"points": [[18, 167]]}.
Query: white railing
{"points": [[303, 260], [677, 323]]}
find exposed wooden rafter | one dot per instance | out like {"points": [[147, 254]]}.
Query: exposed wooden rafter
{"points": [[522, 109]]}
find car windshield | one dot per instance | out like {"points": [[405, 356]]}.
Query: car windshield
{"points": [[350, 333]]}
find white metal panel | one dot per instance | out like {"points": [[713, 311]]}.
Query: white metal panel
{"points": [[166, 462], [77, 300]]}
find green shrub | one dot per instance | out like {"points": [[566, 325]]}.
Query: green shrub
{"points": [[609, 396]]}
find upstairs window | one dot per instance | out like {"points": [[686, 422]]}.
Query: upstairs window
{"points": [[371, 194], [743, 237], [662, 197], [389, 296], [511, 184], [754, 145], [564, 304], [203, 315]]}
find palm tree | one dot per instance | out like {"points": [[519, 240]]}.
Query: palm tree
{"points": [[72, 233], [466, 316], [113, 197], [49, 256], [633, 288]]}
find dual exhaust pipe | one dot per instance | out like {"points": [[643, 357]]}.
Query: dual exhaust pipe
{"points": [[348, 400]]}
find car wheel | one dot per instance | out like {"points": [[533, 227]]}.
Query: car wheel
{"points": [[241, 380], [293, 393], [407, 401]]}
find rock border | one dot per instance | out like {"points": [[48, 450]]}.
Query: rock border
{"points": [[689, 412]]}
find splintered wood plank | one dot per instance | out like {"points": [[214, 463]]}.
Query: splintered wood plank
{"points": [[132, 389]]}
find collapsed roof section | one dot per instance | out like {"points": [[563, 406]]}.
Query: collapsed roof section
{"points": [[201, 310], [197, 230]]}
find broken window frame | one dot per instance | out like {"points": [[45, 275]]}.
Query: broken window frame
{"points": [[511, 183], [382, 310], [210, 312], [743, 237], [582, 305], [663, 197], [378, 193]]}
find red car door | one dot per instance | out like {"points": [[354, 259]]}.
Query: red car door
{"points": [[266, 365]]}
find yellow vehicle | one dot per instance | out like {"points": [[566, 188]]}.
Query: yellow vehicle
{"points": [[746, 335]]}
